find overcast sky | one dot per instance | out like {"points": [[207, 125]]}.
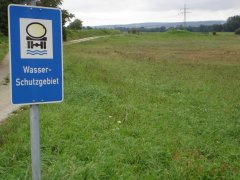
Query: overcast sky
{"points": [[106, 12]]}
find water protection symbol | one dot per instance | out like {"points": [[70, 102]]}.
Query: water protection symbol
{"points": [[36, 32], [36, 38]]}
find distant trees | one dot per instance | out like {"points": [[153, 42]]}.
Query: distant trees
{"points": [[232, 24], [134, 31], [217, 28], [75, 25], [204, 28], [88, 27], [158, 29], [141, 29]]}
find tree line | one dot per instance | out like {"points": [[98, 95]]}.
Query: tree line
{"points": [[232, 24], [66, 16]]}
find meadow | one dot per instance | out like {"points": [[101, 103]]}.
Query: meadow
{"points": [[148, 106]]}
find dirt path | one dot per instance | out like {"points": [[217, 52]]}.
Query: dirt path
{"points": [[83, 40], [6, 108]]}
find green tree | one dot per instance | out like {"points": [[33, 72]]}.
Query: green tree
{"points": [[4, 15], [232, 24], [66, 16], [76, 24]]}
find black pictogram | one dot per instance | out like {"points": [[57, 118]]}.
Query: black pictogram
{"points": [[36, 35]]}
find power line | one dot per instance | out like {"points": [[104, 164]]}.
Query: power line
{"points": [[185, 11]]}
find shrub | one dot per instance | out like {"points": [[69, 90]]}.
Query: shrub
{"points": [[134, 31], [214, 33], [64, 34], [237, 31]]}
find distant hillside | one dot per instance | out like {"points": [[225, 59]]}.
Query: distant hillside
{"points": [[159, 24]]}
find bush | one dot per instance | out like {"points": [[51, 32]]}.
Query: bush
{"points": [[75, 25], [135, 31], [214, 33], [64, 34], [237, 31]]}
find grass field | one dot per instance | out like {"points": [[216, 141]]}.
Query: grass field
{"points": [[75, 34], [153, 106], [3, 46]]}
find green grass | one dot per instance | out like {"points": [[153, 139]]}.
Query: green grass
{"points": [[154, 106], [3, 46], [75, 34]]}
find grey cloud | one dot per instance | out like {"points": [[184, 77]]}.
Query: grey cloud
{"points": [[148, 5], [160, 5]]}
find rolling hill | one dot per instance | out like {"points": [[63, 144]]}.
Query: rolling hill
{"points": [[159, 24]]}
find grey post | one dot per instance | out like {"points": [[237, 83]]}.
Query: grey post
{"points": [[35, 142], [35, 135]]}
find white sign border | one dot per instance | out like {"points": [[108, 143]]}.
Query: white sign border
{"points": [[10, 52]]}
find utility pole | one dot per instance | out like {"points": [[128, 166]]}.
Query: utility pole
{"points": [[184, 11]]}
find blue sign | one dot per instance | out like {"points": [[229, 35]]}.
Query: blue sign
{"points": [[36, 70]]}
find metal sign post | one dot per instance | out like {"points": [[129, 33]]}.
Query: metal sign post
{"points": [[35, 136], [36, 64], [35, 141]]}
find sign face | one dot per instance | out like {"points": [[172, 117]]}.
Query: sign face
{"points": [[35, 44]]}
